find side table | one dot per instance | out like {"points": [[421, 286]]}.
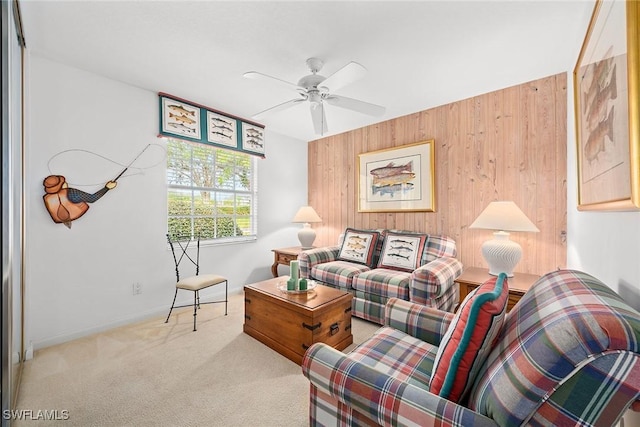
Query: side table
{"points": [[472, 277], [284, 256]]}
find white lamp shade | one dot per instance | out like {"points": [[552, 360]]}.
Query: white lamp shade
{"points": [[504, 216], [501, 254], [306, 214]]}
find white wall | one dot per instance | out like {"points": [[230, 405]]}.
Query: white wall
{"points": [[79, 280]]}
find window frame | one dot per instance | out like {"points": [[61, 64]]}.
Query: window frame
{"points": [[192, 190]]}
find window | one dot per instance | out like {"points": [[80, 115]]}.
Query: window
{"points": [[212, 192]]}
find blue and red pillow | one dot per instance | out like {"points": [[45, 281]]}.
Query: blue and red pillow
{"points": [[469, 339]]}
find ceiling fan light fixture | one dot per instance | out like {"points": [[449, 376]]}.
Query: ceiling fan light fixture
{"points": [[316, 88], [314, 97]]}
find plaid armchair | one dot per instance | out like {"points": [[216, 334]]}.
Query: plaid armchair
{"points": [[567, 354]]}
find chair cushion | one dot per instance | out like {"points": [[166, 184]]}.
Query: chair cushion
{"points": [[337, 273], [201, 281], [359, 246], [398, 354], [469, 339], [402, 251], [383, 282]]}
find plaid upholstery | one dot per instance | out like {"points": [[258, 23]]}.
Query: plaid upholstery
{"points": [[556, 336], [580, 392], [432, 280], [347, 391], [431, 284], [440, 247], [384, 282], [425, 323], [398, 355], [312, 257], [371, 307], [365, 307], [338, 274], [569, 354]]}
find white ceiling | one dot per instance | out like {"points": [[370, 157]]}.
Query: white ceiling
{"points": [[419, 54]]}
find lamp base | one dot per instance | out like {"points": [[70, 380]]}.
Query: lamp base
{"points": [[501, 254], [306, 235]]}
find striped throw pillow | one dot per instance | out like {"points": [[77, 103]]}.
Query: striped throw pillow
{"points": [[469, 339]]}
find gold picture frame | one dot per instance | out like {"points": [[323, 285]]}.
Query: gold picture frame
{"points": [[607, 115], [398, 179]]}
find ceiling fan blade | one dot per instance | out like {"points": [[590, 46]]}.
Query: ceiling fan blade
{"points": [[344, 76], [278, 107], [356, 105], [260, 76], [318, 117]]}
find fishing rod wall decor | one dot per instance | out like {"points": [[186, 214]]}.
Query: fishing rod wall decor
{"points": [[193, 122], [65, 203]]}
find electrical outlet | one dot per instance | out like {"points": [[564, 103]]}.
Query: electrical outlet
{"points": [[137, 288]]}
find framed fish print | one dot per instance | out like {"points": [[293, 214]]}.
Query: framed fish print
{"points": [[398, 179], [194, 122], [180, 118], [606, 82], [221, 129], [252, 138]]}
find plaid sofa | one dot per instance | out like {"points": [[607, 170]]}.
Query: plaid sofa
{"points": [[432, 284], [568, 354]]}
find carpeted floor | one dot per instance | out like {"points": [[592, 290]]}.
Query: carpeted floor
{"points": [[157, 374]]}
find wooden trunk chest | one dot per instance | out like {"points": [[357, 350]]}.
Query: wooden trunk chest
{"points": [[289, 323]]}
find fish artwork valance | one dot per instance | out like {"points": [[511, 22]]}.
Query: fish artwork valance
{"points": [[194, 122]]}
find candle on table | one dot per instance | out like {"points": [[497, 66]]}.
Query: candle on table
{"points": [[295, 267]]}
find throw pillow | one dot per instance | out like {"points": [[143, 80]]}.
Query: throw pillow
{"points": [[358, 246], [469, 339], [402, 251]]}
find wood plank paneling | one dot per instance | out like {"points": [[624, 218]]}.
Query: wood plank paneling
{"points": [[504, 145]]}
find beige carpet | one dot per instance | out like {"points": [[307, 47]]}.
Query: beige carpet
{"points": [[157, 374]]}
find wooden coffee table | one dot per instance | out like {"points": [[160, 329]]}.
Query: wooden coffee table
{"points": [[289, 323]]}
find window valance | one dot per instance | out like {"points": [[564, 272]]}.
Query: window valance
{"points": [[194, 122]]}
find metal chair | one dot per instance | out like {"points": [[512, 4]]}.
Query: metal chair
{"points": [[195, 283]]}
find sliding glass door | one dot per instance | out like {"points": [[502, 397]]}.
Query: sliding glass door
{"points": [[12, 204]]}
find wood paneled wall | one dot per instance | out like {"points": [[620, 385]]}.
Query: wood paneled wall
{"points": [[505, 145]]}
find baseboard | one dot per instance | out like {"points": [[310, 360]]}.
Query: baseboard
{"points": [[138, 317]]}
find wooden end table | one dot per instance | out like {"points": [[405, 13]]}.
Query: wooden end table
{"points": [[284, 256], [472, 277], [290, 322]]}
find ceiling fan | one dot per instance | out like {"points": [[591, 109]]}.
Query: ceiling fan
{"points": [[318, 90]]}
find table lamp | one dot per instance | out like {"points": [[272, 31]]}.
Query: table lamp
{"points": [[306, 235], [500, 253]]}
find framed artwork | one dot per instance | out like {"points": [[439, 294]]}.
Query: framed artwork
{"points": [[221, 129], [180, 118], [190, 121], [252, 138], [398, 179], [606, 91]]}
